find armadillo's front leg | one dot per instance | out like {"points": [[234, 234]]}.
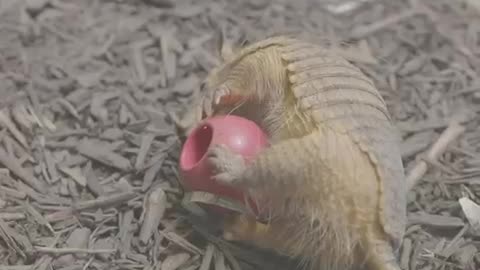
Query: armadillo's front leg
{"points": [[278, 165], [228, 166]]}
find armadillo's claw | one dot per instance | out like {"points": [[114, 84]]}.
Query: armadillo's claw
{"points": [[212, 99], [226, 178], [228, 166], [207, 106]]}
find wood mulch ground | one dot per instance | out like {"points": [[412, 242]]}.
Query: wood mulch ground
{"points": [[88, 148]]}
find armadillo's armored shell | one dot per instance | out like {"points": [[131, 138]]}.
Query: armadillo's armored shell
{"points": [[339, 95]]}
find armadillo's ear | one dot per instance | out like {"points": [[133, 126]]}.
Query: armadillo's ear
{"points": [[224, 47], [227, 51]]}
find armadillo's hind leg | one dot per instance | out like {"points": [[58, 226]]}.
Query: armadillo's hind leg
{"points": [[381, 256]]}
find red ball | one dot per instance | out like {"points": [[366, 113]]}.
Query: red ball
{"points": [[239, 134]]}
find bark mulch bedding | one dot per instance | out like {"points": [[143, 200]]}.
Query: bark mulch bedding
{"points": [[89, 148]]}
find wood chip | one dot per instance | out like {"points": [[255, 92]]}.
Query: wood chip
{"points": [[104, 155], [76, 174], [143, 151], [365, 30], [5, 121], [105, 201], [219, 260], [471, 211], [453, 131], [92, 181], [168, 57], [437, 221], [14, 241], [154, 208], [12, 164], [38, 217], [9, 192], [465, 255], [60, 251], [173, 262], [151, 172], [207, 258], [177, 239], [78, 239], [12, 216]]}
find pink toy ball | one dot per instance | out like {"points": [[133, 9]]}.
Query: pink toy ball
{"points": [[241, 135]]}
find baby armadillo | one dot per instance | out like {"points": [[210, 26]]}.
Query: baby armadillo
{"points": [[331, 180]]}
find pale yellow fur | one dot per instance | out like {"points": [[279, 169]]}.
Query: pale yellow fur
{"points": [[331, 220]]}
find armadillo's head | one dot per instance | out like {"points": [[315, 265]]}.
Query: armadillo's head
{"points": [[250, 84]]}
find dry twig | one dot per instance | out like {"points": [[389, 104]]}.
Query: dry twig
{"points": [[453, 131]]}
